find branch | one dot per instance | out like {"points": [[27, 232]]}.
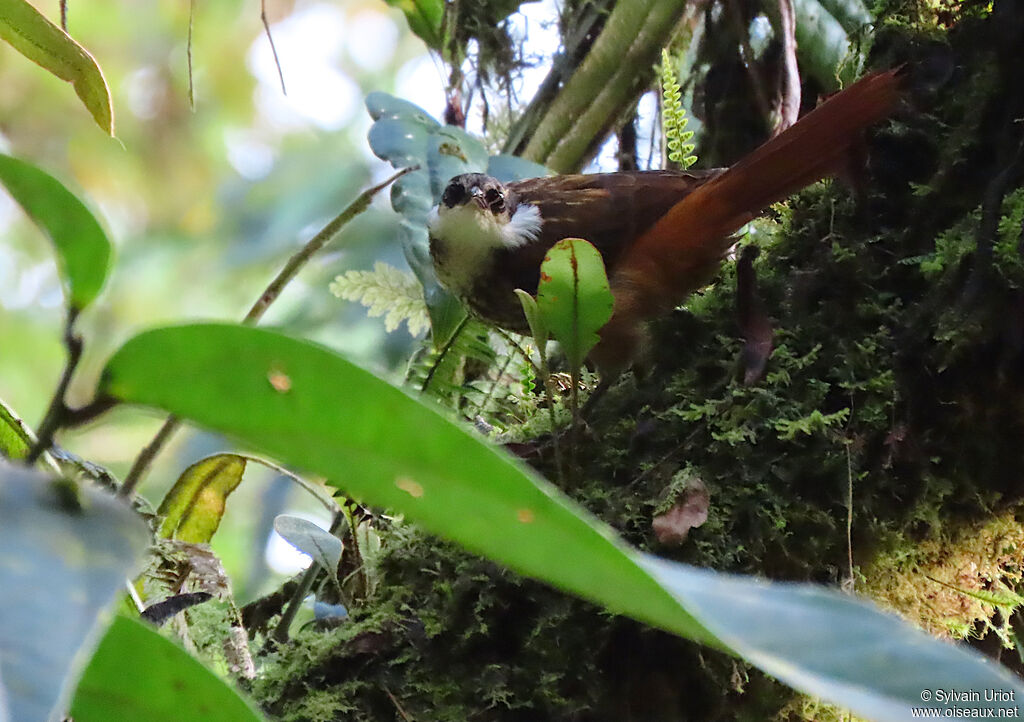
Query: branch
{"points": [[788, 101], [273, 290], [57, 414]]}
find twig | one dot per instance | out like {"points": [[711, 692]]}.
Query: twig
{"points": [[760, 95], [58, 409], [273, 48], [394, 701], [273, 290], [789, 82], [991, 206], [549, 390], [849, 516], [188, 55]]}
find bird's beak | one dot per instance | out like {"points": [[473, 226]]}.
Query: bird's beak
{"points": [[478, 198]]}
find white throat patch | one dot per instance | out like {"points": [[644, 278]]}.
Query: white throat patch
{"points": [[468, 235]]}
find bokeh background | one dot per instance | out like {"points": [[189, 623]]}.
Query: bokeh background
{"points": [[204, 202]]}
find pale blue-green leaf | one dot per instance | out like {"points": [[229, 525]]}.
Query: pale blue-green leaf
{"points": [[833, 645], [411, 198], [399, 141], [852, 15], [318, 544], [451, 152], [383, 105], [65, 552], [507, 168]]}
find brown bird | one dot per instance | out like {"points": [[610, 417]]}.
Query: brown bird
{"points": [[662, 234]]}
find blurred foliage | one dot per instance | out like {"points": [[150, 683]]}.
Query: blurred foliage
{"points": [[203, 206]]}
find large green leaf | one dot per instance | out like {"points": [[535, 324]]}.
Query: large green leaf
{"points": [[313, 409], [138, 675], [82, 247], [64, 554], [39, 40]]}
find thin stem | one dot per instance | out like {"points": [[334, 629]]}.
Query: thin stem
{"points": [[546, 376], [188, 55], [329, 231], [574, 407], [444, 353], [273, 49], [273, 290], [58, 408]]}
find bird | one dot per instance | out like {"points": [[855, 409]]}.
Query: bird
{"points": [[662, 234]]}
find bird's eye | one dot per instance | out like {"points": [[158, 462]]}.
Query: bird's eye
{"points": [[454, 194], [495, 200]]}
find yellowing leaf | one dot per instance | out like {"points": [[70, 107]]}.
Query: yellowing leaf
{"points": [[39, 40]]}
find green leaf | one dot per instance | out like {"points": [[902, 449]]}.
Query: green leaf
{"points": [[318, 544], [573, 296], [16, 439], [425, 18], [194, 506], [39, 40], [64, 554], [534, 318], [822, 45], [136, 674], [311, 408], [82, 247]]}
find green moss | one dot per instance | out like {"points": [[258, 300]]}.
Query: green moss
{"points": [[892, 383]]}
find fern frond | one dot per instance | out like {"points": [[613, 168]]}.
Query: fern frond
{"points": [[468, 354], [386, 291], [673, 116]]}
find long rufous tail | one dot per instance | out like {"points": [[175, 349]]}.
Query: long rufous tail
{"points": [[683, 250]]}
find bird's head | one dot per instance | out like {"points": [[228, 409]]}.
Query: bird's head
{"points": [[481, 192], [479, 210]]}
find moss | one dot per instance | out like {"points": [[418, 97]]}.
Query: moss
{"points": [[941, 583], [892, 395]]}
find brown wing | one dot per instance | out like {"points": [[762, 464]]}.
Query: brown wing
{"points": [[607, 209]]}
